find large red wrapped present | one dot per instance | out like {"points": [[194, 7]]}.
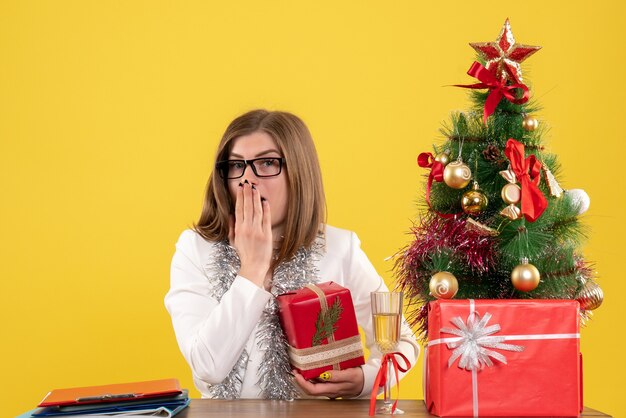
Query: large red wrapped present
{"points": [[321, 329], [503, 358]]}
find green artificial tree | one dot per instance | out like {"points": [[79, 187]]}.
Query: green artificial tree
{"points": [[496, 224]]}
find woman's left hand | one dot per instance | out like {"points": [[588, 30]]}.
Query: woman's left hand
{"points": [[344, 383]]}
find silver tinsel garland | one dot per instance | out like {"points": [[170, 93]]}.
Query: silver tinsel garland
{"points": [[275, 379]]}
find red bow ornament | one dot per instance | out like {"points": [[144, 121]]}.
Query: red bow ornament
{"points": [[527, 171], [498, 88], [426, 160]]}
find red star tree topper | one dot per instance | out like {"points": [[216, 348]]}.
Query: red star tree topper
{"points": [[504, 56]]}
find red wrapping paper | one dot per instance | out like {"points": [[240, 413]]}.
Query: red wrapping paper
{"points": [[545, 379], [298, 316]]}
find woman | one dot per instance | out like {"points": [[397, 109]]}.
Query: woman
{"points": [[262, 232]]}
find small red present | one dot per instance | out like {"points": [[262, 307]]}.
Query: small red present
{"points": [[503, 358], [321, 329]]}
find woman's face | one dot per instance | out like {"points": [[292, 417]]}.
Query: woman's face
{"points": [[273, 189]]}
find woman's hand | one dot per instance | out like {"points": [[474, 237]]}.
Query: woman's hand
{"points": [[251, 234], [344, 383]]}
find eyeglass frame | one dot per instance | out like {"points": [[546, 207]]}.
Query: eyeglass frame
{"points": [[281, 161]]}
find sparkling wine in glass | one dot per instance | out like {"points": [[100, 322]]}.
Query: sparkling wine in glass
{"points": [[387, 314]]}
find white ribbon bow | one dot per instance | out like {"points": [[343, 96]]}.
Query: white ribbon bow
{"points": [[474, 342]]}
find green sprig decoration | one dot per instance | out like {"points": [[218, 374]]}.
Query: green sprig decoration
{"points": [[326, 323]]}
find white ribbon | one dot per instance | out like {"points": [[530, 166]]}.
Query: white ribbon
{"points": [[475, 342]]}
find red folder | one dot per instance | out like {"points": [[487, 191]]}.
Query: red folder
{"points": [[112, 393]]}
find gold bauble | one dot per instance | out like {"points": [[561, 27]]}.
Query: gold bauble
{"points": [[530, 123], [590, 296], [474, 201], [443, 158], [457, 175], [525, 277], [511, 193], [443, 285]]}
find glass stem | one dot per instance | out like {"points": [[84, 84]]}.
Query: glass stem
{"points": [[387, 400]]}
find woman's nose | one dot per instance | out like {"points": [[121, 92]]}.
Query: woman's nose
{"points": [[250, 177]]}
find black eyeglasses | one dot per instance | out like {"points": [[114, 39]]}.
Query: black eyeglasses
{"points": [[262, 167]]}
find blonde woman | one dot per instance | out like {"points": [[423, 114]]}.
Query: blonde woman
{"points": [[262, 232]]}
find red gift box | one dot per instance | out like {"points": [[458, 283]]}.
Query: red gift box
{"points": [[536, 369], [321, 329]]}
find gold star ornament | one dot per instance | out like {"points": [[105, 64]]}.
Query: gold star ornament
{"points": [[503, 56]]}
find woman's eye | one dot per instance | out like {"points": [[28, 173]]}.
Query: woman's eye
{"points": [[269, 163], [237, 165]]}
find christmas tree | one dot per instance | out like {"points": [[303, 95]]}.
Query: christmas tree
{"points": [[496, 224]]}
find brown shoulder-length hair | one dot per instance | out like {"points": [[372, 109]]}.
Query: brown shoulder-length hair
{"points": [[306, 207]]}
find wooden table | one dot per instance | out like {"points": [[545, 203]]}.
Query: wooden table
{"points": [[253, 408]]}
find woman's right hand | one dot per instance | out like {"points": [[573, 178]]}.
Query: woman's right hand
{"points": [[251, 234]]}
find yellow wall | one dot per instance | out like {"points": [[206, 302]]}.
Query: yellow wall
{"points": [[109, 116]]}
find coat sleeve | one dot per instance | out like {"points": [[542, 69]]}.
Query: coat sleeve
{"points": [[211, 334], [361, 280]]}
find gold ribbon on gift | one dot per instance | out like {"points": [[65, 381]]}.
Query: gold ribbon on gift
{"points": [[324, 305], [333, 353]]}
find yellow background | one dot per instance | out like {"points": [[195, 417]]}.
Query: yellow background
{"points": [[110, 112]]}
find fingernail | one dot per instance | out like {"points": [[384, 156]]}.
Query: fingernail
{"points": [[246, 181], [240, 184], [253, 188], [263, 199]]}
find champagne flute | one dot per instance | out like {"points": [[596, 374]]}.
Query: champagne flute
{"points": [[387, 315]]}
